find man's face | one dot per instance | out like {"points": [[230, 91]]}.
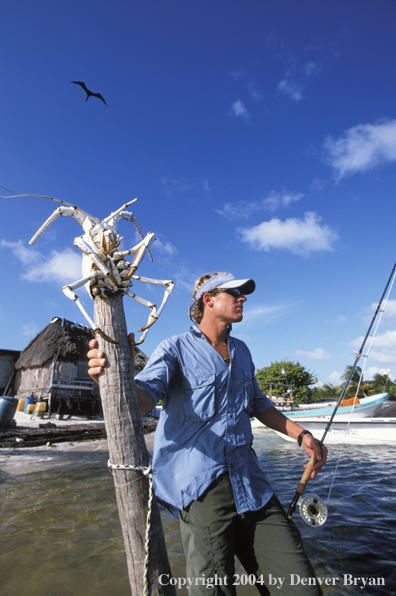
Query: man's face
{"points": [[227, 307]]}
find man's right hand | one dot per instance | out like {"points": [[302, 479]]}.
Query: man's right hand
{"points": [[97, 361]]}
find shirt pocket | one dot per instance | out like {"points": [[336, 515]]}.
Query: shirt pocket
{"points": [[248, 393], [199, 397]]}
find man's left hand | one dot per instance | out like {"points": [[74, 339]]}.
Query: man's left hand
{"points": [[311, 445]]}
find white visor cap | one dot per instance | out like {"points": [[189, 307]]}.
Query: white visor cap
{"points": [[226, 281], [246, 286]]}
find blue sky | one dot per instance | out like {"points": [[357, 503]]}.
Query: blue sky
{"points": [[258, 136]]}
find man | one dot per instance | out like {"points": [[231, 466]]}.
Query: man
{"points": [[205, 467]]}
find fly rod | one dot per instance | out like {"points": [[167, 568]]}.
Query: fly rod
{"points": [[315, 509]]}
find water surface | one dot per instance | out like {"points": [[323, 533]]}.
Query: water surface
{"points": [[60, 533]]}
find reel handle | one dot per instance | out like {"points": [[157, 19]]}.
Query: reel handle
{"points": [[302, 485], [306, 476]]}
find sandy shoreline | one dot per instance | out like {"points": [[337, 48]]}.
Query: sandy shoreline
{"points": [[32, 432]]}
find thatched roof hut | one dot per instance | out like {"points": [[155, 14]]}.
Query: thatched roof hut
{"points": [[66, 340], [54, 366]]}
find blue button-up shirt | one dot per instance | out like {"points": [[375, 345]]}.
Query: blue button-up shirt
{"points": [[204, 428]]}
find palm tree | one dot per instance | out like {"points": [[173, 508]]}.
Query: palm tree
{"points": [[356, 383], [380, 382], [329, 391]]}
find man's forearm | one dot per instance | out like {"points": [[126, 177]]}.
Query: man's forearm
{"points": [[274, 419], [277, 421]]}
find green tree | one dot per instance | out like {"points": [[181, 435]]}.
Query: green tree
{"points": [[356, 382], [391, 389], [326, 392], [381, 383], [281, 375]]}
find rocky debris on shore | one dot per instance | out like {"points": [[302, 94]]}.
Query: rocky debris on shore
{"points": [[24, 436]]}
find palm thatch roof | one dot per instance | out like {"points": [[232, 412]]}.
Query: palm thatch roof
{"points": [[66, 340]]}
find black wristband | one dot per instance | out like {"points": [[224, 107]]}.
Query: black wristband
{"points": [[301, 436]]}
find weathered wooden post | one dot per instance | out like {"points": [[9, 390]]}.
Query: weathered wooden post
{"points": [[127, 448], [107, 276]]}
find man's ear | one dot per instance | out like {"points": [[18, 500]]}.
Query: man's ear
{"points": [[207, 299]]}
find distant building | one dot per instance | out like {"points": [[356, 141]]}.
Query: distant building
{"points": [[54, 368], [7, 370]]}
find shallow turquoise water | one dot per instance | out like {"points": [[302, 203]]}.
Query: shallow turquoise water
{"points": [[60, 534]]}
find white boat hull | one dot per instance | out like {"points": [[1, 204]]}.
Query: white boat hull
{"points": [[362, 431], [367, 407]]}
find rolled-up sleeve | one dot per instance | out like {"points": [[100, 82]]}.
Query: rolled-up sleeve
{"points": [[157, 375]]}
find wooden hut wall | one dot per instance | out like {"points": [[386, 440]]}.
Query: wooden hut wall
{"points": [[7, 370], [66, 381], [34, 381]]}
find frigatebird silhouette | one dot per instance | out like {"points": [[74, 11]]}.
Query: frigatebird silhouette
{"points": [[88, 92]]}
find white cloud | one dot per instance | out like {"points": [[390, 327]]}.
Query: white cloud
{"points": [[301, 237], [389, 310], [334, 378], [264, 314], [362, 147], [254, 92], [317, 354], [185, 184], [382, 348], [29, 329], [248, 78], [273, 201], [60, 267], [166, 248], [184, 279], [238, 210], [25, 255], [292, 90], [369, 373], [297, 73], [237, 74], [337, 320], [276, 200], [239, 110], [311, 68]]}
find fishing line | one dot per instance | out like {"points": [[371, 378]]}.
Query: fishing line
{"points": [[313, 512], [382, 310]]}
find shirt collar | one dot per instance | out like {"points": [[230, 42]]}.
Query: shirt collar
{"points": [[196, 330]]}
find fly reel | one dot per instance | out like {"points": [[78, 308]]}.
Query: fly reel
{"points": [[313, 510]]}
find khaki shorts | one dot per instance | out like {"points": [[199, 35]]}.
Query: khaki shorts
{"points": [[266, 542]]}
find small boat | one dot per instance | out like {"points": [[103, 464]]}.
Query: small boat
{"points": [[289, 405], [360, 431], [354, 408]]}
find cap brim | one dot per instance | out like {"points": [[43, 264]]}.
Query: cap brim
{"points": [[246, 286]]}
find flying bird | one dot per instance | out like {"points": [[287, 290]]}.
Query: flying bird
{"points": [[88, 92]]}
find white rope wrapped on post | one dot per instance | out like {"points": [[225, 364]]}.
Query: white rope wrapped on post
{"points": [[147, 471]]}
